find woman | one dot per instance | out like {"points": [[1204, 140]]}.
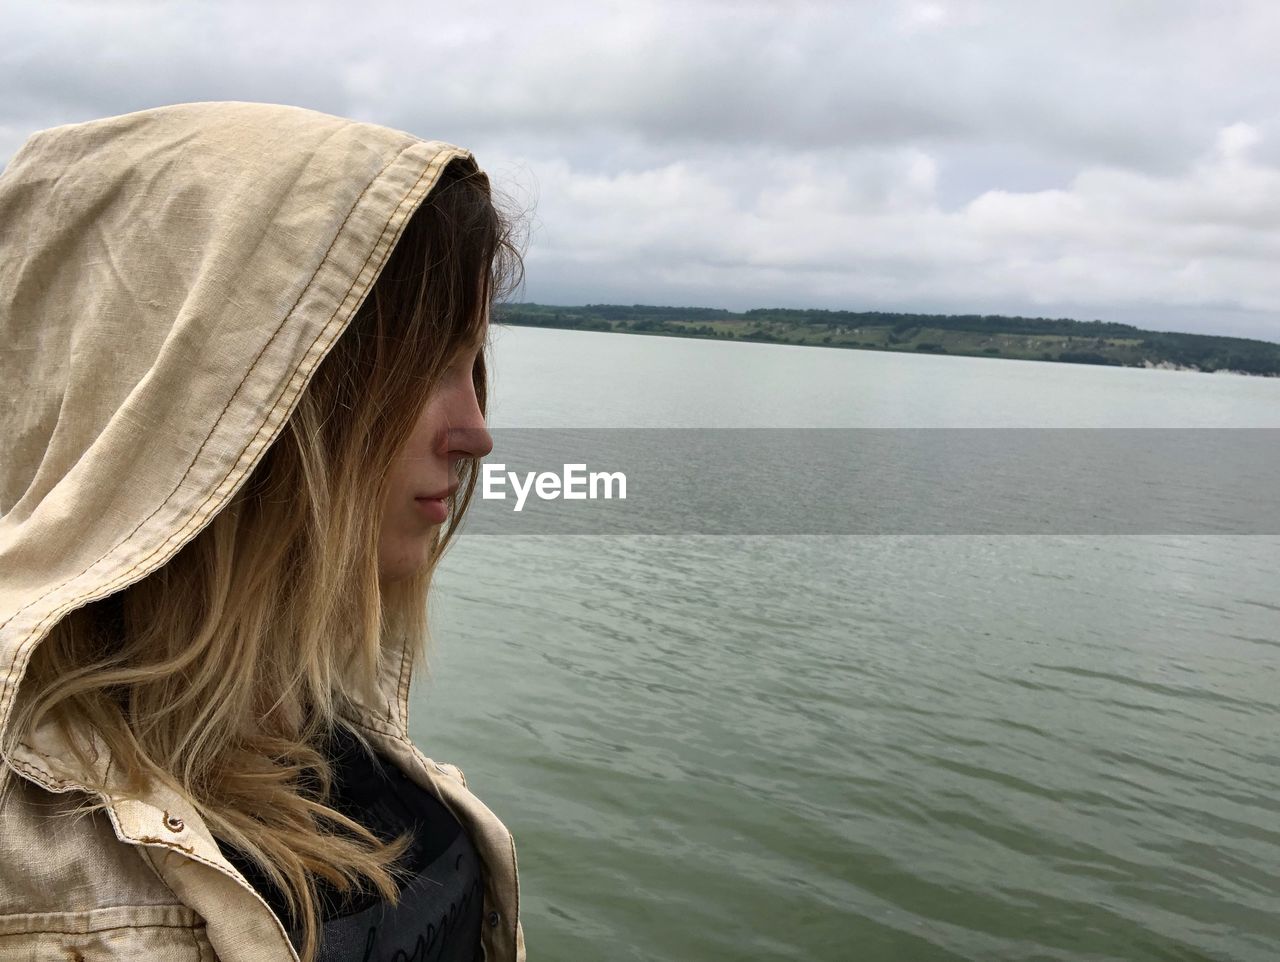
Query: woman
{"points": [[243, 390]]}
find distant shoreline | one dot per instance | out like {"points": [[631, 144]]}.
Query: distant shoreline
{"points": [[969, 335]]}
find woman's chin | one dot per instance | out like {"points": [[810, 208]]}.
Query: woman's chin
{"points": [[407, 560]]}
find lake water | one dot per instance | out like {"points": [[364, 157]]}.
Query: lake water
{"points": [[867, 747]]}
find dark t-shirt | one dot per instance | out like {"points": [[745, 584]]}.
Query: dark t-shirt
{"points": [[441, 905]]}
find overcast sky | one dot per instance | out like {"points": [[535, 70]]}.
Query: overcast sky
{"points": [[1113, 159]]}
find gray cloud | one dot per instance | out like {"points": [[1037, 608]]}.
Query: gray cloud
{"points": [[1093, 159]]}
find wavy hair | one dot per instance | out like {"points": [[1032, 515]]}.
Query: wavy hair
{"points": [[224, 672]]}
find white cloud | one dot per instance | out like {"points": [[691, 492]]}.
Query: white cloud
{"points": [[865, 228], [1101, 159]]}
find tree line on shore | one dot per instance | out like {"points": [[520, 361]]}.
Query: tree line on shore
{"points": [[980, 335]]}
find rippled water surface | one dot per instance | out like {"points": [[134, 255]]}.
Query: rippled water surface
{"points": [[885, 747]]}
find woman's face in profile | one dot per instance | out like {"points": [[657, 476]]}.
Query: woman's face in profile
{"points": [[450, 428]]}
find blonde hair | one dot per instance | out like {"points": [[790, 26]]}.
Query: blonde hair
{"points": [[222, 673]]}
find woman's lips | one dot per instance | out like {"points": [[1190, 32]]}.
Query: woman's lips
{"points": [[436, 510]]}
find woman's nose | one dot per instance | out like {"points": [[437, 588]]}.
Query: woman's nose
{"points": [[471, 442], [468, 434]]}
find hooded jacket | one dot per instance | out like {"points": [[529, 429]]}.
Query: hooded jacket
{"points": [[169, 281]]}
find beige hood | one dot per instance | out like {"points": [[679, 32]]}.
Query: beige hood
{"points": [[169, 280]]}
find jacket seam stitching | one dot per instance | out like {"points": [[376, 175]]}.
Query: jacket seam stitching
{"points": [[33, 769], [196, 943], [402, 690], [382, 728], [201, 924]]}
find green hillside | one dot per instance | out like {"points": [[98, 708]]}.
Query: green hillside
{"points": [[989, 335]]}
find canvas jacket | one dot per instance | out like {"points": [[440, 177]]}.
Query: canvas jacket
{"points": [[169, 281]]}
